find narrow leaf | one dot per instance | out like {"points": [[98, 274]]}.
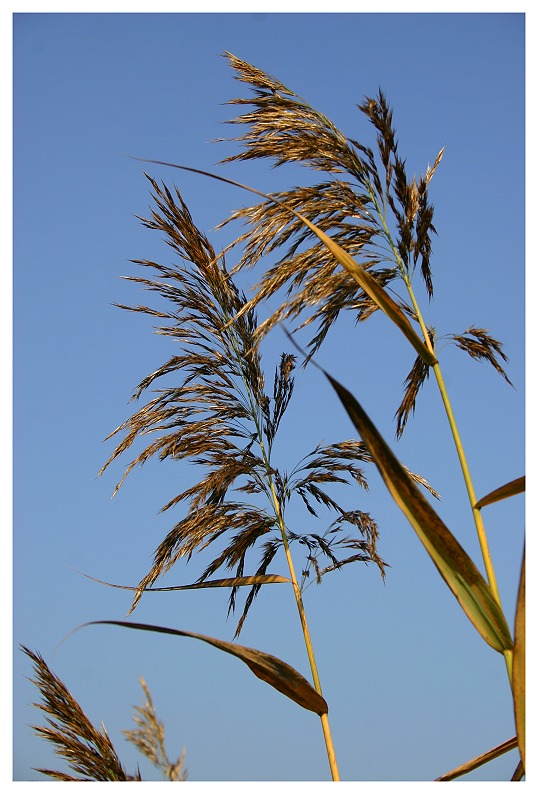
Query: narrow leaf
{"points": [[266, 667], [518, 665], [507, 490], [371, 287], [231, 582], [501, 749], [368, 283], [454, 564]]}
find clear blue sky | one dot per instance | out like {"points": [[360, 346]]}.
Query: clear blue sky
{"points": [[412, 689]]}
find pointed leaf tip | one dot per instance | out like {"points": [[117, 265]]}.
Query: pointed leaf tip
{"points": [[453, 563], [228, 582], [510, 489], [266, 667], [476, 762]]}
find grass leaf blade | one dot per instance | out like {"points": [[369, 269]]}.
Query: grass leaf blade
{"points": [[510, 489], [476, 762], [375, 291], [229, 582], [518, 665], [266, 667], [453, 563]]}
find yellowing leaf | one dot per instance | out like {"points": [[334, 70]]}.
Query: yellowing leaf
{"points": [[455, 566], [228, 582], [507, 490], [518, 665], [374, 290], [266, 667]]}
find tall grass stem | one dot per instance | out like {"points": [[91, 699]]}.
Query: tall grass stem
{"points": [[477, 516], [308, 641], [331, 755]]}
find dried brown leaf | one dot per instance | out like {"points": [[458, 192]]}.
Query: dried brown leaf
{"points": [[266, 667], [510, 489], [476, 762]]}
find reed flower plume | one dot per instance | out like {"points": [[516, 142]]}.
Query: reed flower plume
{"points": [[148, 737], [220, 416], [283, 127], [88, 750], [367, 203]]}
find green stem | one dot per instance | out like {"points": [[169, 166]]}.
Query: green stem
{"points": [[477, 515]]}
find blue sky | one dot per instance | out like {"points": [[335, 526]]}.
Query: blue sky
{"points": [[412, 689]]}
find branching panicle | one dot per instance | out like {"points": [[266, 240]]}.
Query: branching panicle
{"points": [[282, 392], [148, 737], [481, 346], [351, 207], [88, 750], [285, 128], [218, 416], [413, 383]]}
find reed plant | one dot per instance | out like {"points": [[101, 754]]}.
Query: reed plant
{"points": [[355, 241], [89, 751]]}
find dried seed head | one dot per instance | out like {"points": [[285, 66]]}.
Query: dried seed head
{"points": [[88, 750]]}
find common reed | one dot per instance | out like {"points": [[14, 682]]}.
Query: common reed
{"points": [[221, 418], [350, 242], [148, 737], [376, 213], [88, 750]]}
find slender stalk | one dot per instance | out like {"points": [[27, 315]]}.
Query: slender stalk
{"points": [[331, 755], [306, 634], [477, 515]]}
